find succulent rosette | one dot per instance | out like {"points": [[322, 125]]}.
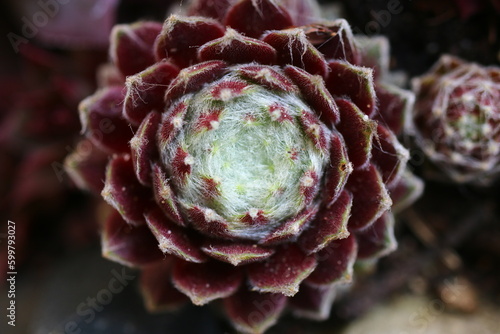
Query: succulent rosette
{"points": [[243, 159], [456, 120]]}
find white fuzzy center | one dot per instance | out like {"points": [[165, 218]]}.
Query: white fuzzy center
{"points": [[257, 159]]}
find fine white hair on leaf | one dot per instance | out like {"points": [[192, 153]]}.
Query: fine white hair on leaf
{"points": [[136, 85], [298, 42], [257, 4], [174, 19]]}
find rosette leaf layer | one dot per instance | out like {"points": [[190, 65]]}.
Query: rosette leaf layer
{"points": [[456, 119], [245, 159]]}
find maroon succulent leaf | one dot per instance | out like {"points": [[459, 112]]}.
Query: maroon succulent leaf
{"points": [[314, 130], [267, 77], [375, 54], [208, 222], [124, 192], [313, 302], [181, 36], [143, 148], [394, 108], [315, 93], [247, 16], [355, 82], [334, 40], [87, 166], [223, 92], [341, 168], [181, 165], [164, 195], [254, 312], [172, 239], [133, 246], [389, 156], [157, 289], [330, 224], [370, 197], [204, 282], [357, 130], [146, 90], [335, 263], [235, 48], [172, 120], [193, 78], [236, 253], [378, 239], [137, 39], [406, 191], [100, 115], [282, 272], [294, 48], [291, 228]]}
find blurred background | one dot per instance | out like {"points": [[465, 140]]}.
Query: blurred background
{"points": [[445, 276]]}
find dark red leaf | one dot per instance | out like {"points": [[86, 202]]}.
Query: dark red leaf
{"points": [[172, 238], [357, 130], [253, 17], [370, 197], [291, 228], [86, 166], [132, 46], [181, 37], [164, 195], [254, 312], [339, 170], [146, 90], [268, 77], [313, 302], [204, 282], [282, 272], [315, 93], [123, 192], [143, 147], [354, 82], [133, 246], [102, 122], [335, 263], [294, 49], [378, 239], [389, 156], [193, 78], [236, 253], [329, 224], [237, 49], [157, 289]]}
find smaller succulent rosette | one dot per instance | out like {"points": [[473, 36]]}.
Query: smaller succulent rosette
{"points": [[245, 158], [456, 119]]}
